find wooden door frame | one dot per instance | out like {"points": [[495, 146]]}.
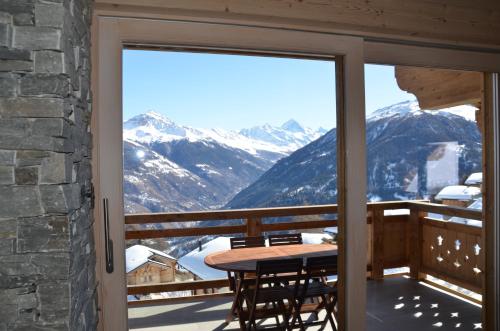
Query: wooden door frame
{"points": [[112, 34], [489, 64]]}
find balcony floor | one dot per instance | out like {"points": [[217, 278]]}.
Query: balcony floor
{"points": [[392, 305]]}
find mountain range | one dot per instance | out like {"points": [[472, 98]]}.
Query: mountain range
{"points": [[170, 167], [410, 153]]}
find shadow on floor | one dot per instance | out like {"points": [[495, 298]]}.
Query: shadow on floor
{"points": [[395, 304]]}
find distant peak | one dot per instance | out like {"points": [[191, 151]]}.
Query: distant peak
{"points": [[397, 109], [157, 115], [322, 130], [292, 125]]}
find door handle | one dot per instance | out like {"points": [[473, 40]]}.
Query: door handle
{"points": [[108, 243]]}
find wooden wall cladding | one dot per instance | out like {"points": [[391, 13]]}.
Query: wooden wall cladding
{"points": [[459, 21]]}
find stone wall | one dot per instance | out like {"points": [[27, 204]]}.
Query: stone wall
{"points": [[47, 258]]}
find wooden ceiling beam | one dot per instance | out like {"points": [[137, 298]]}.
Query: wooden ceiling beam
{"points": [[441, 88]]}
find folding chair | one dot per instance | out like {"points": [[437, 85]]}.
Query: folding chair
{"points": [[237, 243], [269, 289], [315, 286]]}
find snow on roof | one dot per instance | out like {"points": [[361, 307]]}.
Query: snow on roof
{"points": [[474, 179], [137, 255], [458, 192], [194, 261]]}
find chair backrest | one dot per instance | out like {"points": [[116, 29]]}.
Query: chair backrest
{"points": [[321, 266], [247, 242], [285, 239], [273, 271]]}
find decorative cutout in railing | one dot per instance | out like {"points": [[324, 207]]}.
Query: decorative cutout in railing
{"points": [[452, 252]]}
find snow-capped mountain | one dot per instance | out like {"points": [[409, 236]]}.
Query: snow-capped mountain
{"points": [[290, 136], [169, 167], [405, 148], [154, 127], [411, 107]]}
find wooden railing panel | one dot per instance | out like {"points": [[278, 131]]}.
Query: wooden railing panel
{"points": [[395, 250], [452, 252]]}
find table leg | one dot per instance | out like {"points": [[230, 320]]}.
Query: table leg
{"points": [[236, 300]]}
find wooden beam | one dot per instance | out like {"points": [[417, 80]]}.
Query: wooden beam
{"points": [[447, 210], [378, 244], [254, 226], [229, 214], [184, 232], [191, 298], [491, 205], [440, 88], [177, 286], [415, 243]]}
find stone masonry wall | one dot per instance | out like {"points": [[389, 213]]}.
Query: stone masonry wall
{"points": [[47, 258]]}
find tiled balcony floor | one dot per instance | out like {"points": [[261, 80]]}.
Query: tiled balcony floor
{"points": [[395, 304]]}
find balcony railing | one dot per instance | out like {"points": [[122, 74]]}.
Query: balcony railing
{"points": [[442, 249]]}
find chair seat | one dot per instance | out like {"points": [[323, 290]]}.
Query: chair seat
{"points": [[317, 289], [269, 294]]}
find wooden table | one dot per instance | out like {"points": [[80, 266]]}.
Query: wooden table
{"points": [[243, 260]]}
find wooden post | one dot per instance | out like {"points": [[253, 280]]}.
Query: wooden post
{"points": [[378, 244], [415, 237], [490, 120], [254, 226]]}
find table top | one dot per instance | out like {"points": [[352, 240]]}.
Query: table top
{"points": [[245, 259]]}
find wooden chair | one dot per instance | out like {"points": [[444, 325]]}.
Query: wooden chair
{"points": [[315, 286], [245, 242], [237, 243], [285, 239], [267, 296]]}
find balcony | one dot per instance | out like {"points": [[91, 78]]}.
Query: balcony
{"points": [[439, 263]]}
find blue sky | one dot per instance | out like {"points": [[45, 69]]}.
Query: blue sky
{"points": [[234, 92]]}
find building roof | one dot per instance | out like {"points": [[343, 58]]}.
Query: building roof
{"points": [[458, 192], [137, 255], [475, 178], [194, 261]]}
